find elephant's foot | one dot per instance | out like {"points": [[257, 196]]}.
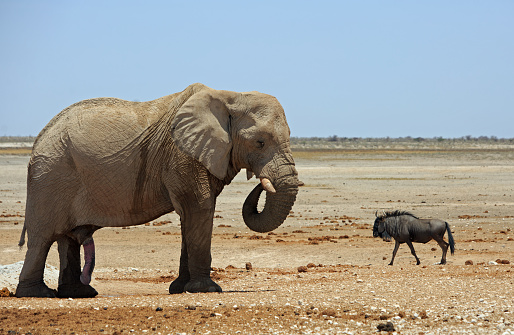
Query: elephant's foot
{"points": [[178, 285], [76, 291], [181, 285], [36, 290], [202, 285]]}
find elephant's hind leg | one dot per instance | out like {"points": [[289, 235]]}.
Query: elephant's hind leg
{"points": [[70, 285], [31, 282]]}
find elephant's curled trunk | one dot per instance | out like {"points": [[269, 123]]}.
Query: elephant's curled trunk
{"points": [[276, 207]]}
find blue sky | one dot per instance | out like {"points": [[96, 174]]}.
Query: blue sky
{"points": [[345, 68]]}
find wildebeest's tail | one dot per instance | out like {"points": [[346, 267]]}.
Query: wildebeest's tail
{"points": [[22, 238], [450, 238]]}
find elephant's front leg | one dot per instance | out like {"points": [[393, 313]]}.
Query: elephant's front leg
{"points": [[70, 285], [179, 284], [195, 259]]}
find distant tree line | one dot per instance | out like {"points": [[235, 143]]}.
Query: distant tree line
{"points": [[8, 139], [335, 138], [467, 138]]}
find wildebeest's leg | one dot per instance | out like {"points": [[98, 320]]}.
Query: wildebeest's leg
{"points": [[444, 246], [409, 243], [396, 246]]}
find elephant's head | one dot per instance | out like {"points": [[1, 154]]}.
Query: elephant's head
{"points": [[229, 131]]}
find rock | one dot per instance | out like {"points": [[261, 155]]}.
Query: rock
{"points": [[329, 312], [248, 266], [469, 262], [302, 269], [5, 293], [386, 327], [502, 261], [10, 273]]}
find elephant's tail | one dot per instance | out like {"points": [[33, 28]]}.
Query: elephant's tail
{"points": [[22, 238]]}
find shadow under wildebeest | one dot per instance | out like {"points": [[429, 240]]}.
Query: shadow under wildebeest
{"points": [[404, 227]]}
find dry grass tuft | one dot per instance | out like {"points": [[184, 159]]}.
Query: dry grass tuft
{"points": [[15, 151]]}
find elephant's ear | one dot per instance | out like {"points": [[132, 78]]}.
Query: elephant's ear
{"points": [[201, 129]]}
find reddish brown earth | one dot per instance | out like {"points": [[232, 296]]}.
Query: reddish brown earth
{"points": [[322, 272]]}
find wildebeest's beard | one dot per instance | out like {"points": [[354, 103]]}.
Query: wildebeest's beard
{"points": [[379, 230], [384, 235]]}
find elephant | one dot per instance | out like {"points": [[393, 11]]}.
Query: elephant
{"points": [[108, 162]]}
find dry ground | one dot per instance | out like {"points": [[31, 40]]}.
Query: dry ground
{"points": [[320, 273]]}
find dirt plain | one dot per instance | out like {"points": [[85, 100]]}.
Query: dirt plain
{"points": [[321, 272]]}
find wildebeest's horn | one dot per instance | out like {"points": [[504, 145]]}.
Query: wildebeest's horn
{"points": [[376, 212]]}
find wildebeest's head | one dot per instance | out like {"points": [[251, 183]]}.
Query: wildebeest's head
{"points": [[379, 227]]}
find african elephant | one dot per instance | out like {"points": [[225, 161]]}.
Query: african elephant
{"points": [[110, 163]]}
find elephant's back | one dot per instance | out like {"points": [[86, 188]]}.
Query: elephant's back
{"points": [[100, 126]]}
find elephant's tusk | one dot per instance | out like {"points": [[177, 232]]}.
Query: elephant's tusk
{"points": [[267, 185]]}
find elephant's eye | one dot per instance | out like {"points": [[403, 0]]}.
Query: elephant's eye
{"points": [[260, 144]]}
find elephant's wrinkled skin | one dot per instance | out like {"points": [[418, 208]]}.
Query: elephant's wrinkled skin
{"points": [[110, 163]]}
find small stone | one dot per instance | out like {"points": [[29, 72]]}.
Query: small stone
{"points": [[386, 327], [6, 293], [158, 309], [302, 269], [248, 266], [468, 262], [329, 312]]}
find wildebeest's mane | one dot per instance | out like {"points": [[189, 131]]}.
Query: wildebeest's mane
{"points": [[396, 213]]}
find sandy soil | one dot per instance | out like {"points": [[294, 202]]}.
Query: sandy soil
{"points": [[321, 272]]}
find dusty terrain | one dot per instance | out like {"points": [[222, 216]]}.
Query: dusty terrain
{"points": [[320, 273]]}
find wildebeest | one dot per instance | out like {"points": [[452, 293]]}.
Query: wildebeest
{"points": [[404, 227]]}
